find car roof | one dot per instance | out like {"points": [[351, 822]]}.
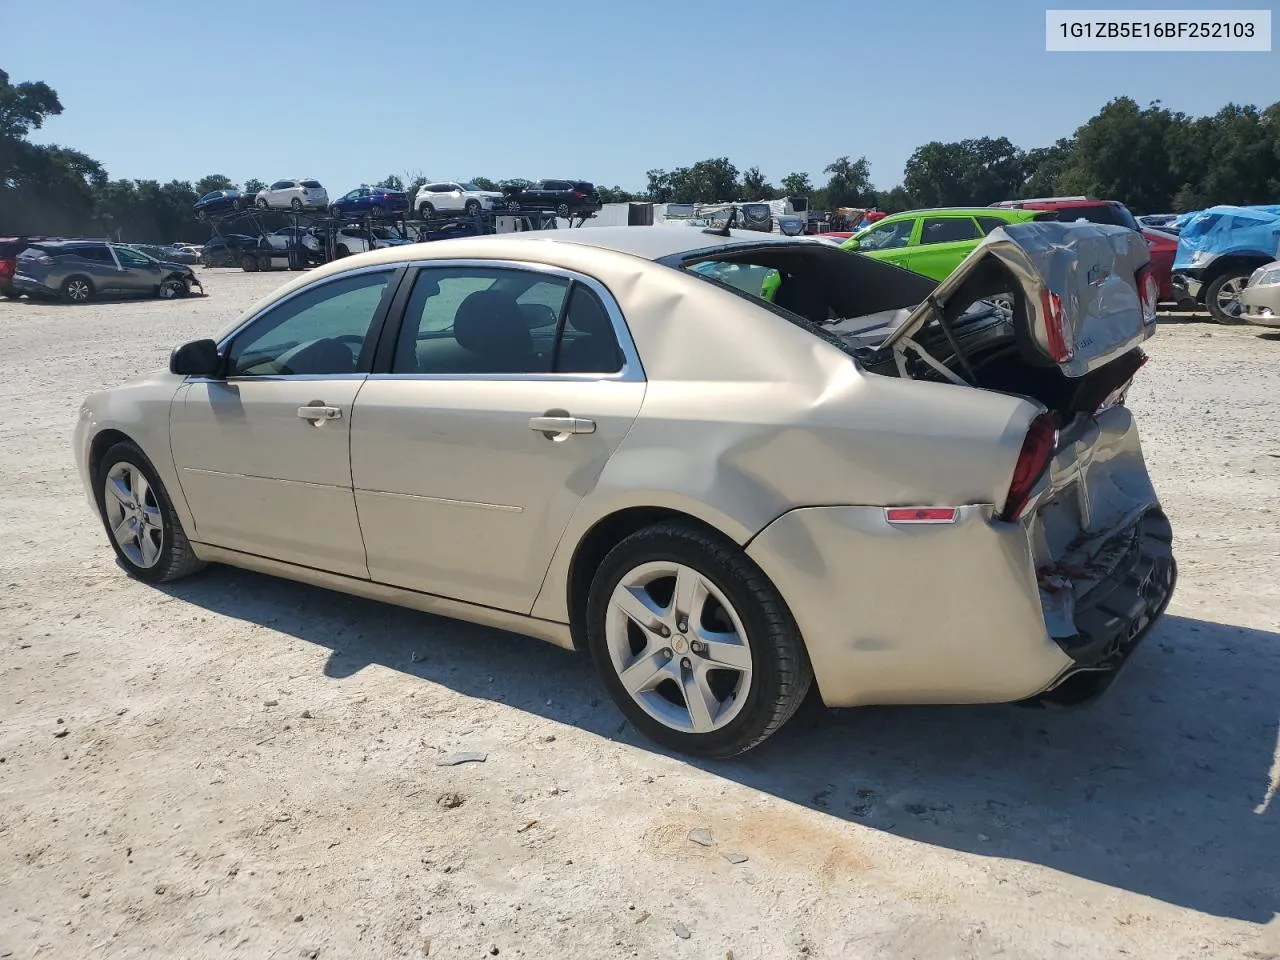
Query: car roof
{"points": [[651, 243]]}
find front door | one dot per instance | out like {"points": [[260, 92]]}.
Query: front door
{"points": [[469, 458], [138, 275], [264, 455]]}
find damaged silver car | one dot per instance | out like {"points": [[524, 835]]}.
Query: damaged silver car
{"points": [[900, 491]]}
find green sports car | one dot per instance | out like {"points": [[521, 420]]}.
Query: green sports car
{"points": [[933, 242]]}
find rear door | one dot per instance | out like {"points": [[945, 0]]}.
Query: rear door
{"points": [[943, 243], [472, 449]]}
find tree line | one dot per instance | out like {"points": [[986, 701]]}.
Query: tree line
{"points": [[1154, 159]]}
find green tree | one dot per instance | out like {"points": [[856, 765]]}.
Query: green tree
{"points": [[755, 186], [1121, 154], [660, 188], [796, 185], [484, 183], [1043, 168], [253, 185], [213, 181], [390, 182], [850, 183], [965, 173]]}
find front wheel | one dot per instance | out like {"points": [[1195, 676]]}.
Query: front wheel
{"points": [[562, 211], [1222, 297], [426, 211], [261, 203], [513, 206], [249, 263], [472, 208], [173, 289], [693, 642], [139, 518]]}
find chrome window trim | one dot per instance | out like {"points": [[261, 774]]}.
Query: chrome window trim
{"points": [[632, 369]]}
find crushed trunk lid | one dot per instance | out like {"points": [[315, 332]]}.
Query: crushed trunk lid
{"points": [[1077, 300]]}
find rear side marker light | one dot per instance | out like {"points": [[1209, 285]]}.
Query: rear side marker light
{"points": [[1148, 293], [921, 514]]}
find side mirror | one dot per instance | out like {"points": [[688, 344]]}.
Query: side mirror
{"points": [[199, 358], [852, 244]]}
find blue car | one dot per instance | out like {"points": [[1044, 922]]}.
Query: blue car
{"points": [[371, 201], [221, 201]]}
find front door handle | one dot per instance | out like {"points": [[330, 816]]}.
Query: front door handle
{"points": [[317, 412], [555, 427]]}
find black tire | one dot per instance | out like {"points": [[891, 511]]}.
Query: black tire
{"points": [[264, 262], [77, 290], [342, 251], [780, 670], [562, 211], [238, 204], [296, 260], [472, 208], [295, 203], [513, 206], [249, 263], [426, 210], [335, 211], [176, 557], [1211, 296], [261, 203], [173, 290]]}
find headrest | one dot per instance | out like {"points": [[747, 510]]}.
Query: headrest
{"points": [[586, 315], [490, 322]]}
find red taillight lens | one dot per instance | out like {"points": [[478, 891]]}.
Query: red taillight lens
{"points": [[1037, 451], [1148, 293], [7, 268], [920, 514], [1055, 320]]}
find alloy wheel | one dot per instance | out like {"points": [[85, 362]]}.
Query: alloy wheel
{"points": [[1228, 298], [78, 291], [133, 515], [678, 646]]}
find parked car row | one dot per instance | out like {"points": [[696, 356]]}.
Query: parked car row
{"points": [[565, 198]]}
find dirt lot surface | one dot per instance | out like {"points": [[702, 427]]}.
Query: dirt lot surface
{"points": [[239, 766]]}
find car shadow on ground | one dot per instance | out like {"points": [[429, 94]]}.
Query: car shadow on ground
{"points": [[1165, 787]]}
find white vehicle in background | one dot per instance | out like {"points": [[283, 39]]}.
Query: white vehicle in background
{"points": [[286, 237], [293, 195], [454, 197], [351, 240]]}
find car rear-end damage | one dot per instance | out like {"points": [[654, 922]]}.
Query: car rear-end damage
{"points": [[1040, 589]]}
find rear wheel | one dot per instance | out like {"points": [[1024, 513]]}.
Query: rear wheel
{"points": [[513, 206], [693, 642], [426, 210], [1222, 297], [261, 203], [342, 250], [249, 263], [562, 211], [295, 203], [264, 262], [77, 290], [375, 210], [139, 518]]}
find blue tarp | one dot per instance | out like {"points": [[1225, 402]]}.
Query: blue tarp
{"points": [[1206, 234]]}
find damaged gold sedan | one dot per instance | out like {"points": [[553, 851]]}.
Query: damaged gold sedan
{"points": [[606, 438]]}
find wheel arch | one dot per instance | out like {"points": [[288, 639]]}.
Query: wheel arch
{"points": [[103, 441], [603, 535], [1246, 260]]}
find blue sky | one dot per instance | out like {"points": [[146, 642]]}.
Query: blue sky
{"points": [[349, 92]]}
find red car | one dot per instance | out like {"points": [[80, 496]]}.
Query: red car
{"points": [[1162, 245]]}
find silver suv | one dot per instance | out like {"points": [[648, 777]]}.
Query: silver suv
{"points": [[79, 270]]}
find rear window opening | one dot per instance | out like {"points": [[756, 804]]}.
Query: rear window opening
{"points": [[980, 338], [311, 184]]}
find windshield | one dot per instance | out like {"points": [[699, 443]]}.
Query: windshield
{"points": [[1111, 214]]}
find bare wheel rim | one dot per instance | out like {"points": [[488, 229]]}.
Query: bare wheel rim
{"points": [[679, 647], [78, 290], [1229, 296], [133, 515]]}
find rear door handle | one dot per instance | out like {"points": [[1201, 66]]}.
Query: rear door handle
{"points": [[552, 426], [318, 413]]}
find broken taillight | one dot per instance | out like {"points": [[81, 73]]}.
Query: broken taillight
{"points": [[1148, 293], [1055, 326], [1037, 450]]}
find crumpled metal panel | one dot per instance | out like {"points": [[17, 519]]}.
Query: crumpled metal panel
{"points": [[1225, 229], [1091, 268]]}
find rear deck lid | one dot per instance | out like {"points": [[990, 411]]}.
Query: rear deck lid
{"points": [[1076, 285]]}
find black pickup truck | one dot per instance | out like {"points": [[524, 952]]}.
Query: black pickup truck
{"points": [[568, 198]]}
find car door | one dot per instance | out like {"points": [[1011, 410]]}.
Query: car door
{"points": [[888, 240], [96, 262], [473, 448], [943, 243], [139, 274], [263, 454]]}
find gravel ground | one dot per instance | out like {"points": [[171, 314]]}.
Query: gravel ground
{"points": [[239, 766]]}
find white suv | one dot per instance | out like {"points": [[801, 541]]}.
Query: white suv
{"points": [[453, 197], [293, 194], [351, 240]]}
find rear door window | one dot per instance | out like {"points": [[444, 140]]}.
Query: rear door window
{"points": [[948, 230], [987, 224]]}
